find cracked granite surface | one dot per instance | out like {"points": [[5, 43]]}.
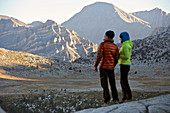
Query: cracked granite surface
{"points": [[160, 104]]}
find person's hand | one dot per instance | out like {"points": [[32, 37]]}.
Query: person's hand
{"points": [[95, 69]]}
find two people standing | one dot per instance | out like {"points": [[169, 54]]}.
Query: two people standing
{"points": [[108, 56]]}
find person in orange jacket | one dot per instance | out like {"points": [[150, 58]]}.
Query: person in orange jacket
{"points": [[107, 58]]}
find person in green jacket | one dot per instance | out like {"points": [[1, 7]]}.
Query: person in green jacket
{"points": [[124, 62]]}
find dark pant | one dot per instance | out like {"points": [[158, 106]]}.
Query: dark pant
{"points": [[126, 92], [104, 76]]}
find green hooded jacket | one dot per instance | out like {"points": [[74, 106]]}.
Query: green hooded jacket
{"points": [[125, 52]]}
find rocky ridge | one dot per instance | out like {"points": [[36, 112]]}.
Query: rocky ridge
{"points": [[156, 17], [48, 39], [14, 22]]}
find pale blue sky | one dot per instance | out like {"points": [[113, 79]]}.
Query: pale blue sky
{"points": [[61, 10]]}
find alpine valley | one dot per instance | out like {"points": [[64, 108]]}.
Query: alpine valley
{"points": [[48, 68]]}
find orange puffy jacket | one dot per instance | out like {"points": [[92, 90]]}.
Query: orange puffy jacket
{"points": [[107, 54]]}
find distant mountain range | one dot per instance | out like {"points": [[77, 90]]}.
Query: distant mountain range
{"points": [[152, 49], [47, 39], [156, 17], [66, 42], [95, 19]]}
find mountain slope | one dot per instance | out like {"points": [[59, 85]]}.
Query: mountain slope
{"points": [[95, 19], [156, 17], [158, 30], [15, 22], [18, 64], [152, 49], [48, 39]]}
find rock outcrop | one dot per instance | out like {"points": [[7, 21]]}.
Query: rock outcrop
{"points": [[160, 104], [1, 110]]}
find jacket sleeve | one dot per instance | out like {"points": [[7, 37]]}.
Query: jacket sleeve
{"points": [[126, 53], [116, 56], [99, 55]]}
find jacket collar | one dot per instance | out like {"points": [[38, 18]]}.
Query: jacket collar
{"points": [[109, 40]]}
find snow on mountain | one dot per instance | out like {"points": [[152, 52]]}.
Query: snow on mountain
{"points": [[95, 19], [156, 17], [48, 39], [35, 23]]}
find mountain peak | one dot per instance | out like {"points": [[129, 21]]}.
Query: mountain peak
{"points": [[15, 21], [99, 6], [157, 9], [50, 22], [156, 17], [102, 16], [36, 23], [102, 3]]}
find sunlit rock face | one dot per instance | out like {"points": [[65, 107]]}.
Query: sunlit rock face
{"points": [[47, 39]]}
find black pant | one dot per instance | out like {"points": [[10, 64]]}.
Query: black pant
{"points": [[104, 75], [126, 91]]}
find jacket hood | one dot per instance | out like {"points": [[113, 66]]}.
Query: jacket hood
{"points": [[124, 36]]}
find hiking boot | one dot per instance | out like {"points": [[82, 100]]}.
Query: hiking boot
{"points": [[126, 100], [116, 102], [105, 104]]}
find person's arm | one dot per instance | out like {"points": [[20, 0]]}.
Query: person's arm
{"points": [[116, 56], [99, 56]]}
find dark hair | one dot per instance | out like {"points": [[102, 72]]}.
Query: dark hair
{"points": [[110, 34]]}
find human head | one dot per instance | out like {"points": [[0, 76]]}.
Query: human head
{"points": [[124, 37], [110, 34]]}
